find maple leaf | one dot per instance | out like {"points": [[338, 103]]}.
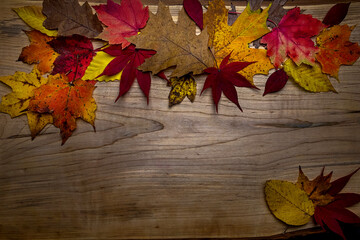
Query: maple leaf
{"points": [[276, 82], [76, 53], [71, 18], [235, 39], [175, 44], [122, 21], [39, 51], [127, 61], [224, 78], [336, 14], [33, 16], [181, 88], [65, 101], [288, 203], [335, 49], [308, 77], [292, 37], [194, 9], [16, 103]]}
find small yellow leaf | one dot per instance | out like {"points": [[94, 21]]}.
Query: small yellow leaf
{"points": [[98, 65], [37, 122], [33, 16], [288, 203], [182, 87], [308, 77]]}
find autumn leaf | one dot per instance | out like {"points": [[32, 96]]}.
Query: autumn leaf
{"points": [[175, 44], [65, 101], [288, 203], [194, 9], [33, 16], [336, 14], [255, 4], [276, 12], [224, 78], [181, 88], [276, 82], [308, 77], [76, 53], [235, 39], [335, 49], [71, 18], [127, 61], [39, 51], [16, 103], [292, 37], [232, 15], [122, 21]]}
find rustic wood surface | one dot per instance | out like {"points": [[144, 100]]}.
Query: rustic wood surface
{"points": [[150, 171]]}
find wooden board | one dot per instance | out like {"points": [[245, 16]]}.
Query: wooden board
{"points": [[150, 171]]}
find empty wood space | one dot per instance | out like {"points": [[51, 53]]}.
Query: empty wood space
{"points": [[150, 171]]}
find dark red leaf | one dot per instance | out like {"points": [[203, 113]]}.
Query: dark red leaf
{"points": [[194, 9], [343, 200], [76, 53], [128, 60], [162, 76], [339, 184], [224, 79], [276, 82], [336, 14]]}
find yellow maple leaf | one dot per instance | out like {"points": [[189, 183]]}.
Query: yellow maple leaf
{"points": [[308, 77], [33, 16], [16, 103], [235, 39], [288, 203]]}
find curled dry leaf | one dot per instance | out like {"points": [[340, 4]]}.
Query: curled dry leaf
{"points": [[181, 88], [288, 203]]}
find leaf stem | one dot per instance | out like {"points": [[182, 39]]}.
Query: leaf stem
{"points": [[212, 54], [272, 22], [76, 68]]}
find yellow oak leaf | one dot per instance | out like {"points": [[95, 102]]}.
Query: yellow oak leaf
{"points": [[16, 103], [335, 49], [180, 88], [39, 51], [308, 77], [176, 44], [288, 203], [235, 39], [33, 16], [98, 65]]}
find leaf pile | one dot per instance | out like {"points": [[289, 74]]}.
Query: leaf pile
{"points": [[295, 204], [138, 43]]}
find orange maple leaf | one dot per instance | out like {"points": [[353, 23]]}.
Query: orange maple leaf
{"points": [[65, 101], [39, 51], [335, 49]]}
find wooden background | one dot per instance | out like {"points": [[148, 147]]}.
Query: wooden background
{"points": [[150, 171]]}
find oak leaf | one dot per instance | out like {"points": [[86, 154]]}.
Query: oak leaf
{"points": [[39, 51], [288, 203], [175, 44], [335, 49], [65, 101], [336, 14], [292, 37], [308, 77], [17, 102], [235, 39], [181, 88], [224, 78], [76, 53], [122, 21], [33, 16], [71, 18]]}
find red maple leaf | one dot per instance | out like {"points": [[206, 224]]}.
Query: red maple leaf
{"points": [[330, 214], [122, 21], [292, 37], [224, 78], [128, 60], [76, 53]]}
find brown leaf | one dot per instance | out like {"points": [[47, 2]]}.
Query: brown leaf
{"points": [[175, 44], [71, 18]]}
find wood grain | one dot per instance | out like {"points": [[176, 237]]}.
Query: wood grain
{"points": [[150, 171]]}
